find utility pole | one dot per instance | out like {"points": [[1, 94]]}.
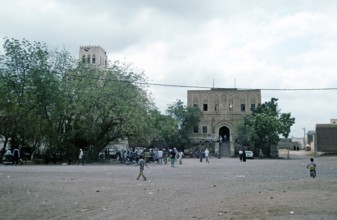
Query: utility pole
{"points": [[304, 137]]}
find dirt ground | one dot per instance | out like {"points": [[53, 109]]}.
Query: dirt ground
{"points": [[223, 189]]}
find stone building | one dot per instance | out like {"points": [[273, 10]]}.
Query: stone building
{"points": [[223, 110], [326, 138], [94, 55]]}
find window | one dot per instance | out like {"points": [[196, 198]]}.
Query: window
{"points": [[204, 129], [252, 107], [83, 59], [231, 105], [196, 129], [243, 104], [216, 103], [243, 107], [88, 58], [93, 58], [205, 103]]}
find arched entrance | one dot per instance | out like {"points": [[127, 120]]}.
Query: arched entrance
{"points": [[224, 142], [224, 134]]}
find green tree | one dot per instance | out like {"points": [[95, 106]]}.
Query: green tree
{"points": [[47, 99], [27, 84], [186, 119], [104, 105], [265, 126]]}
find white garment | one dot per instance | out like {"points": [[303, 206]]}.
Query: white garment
{"points": [[81, 155]]}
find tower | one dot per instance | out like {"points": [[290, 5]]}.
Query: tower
{"points": [[94, 55]]}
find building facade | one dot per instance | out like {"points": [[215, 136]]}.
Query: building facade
{"points": [[223, 110], [94, 55], [325, 138]]}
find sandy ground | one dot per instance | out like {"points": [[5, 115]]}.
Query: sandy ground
{"points": [[223, 189]]}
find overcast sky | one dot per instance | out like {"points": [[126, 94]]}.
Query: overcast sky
{"points": [[270, 44]]}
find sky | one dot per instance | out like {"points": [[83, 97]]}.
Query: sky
{"points": [[288, 49]]}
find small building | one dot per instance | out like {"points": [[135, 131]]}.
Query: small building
{"points": [[326, 138]]}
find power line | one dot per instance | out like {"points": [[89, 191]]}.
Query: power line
{"points": [[207, 87]]}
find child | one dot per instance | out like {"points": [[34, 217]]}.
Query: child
{"points": [[312, 168], [141, 163]]}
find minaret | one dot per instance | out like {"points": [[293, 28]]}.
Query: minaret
{"points": [[94, 55]]}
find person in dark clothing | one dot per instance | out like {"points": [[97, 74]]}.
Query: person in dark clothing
{"points": [[172, 157], [243, 155], [16, 156]]}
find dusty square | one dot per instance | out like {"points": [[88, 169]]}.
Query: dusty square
{"points": [[223, 189]]}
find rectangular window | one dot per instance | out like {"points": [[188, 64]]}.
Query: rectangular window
{"points": [[204, 129], [230, 107], [243, 107], [252, 107], [205, 107], [216, 107], [196, 129], [93, 58], [88, 58], [83, 59]]}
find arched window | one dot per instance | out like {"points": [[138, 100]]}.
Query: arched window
{"points": [[195, 101], [243, 104], [231, 103], [216, 103], [252, 103], [205, 104]]}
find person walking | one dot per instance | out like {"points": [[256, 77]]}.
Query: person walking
{"points": [[172, 157], [141, 163], [81, 157], [207, 155], [312, 168], [260, 154], [241, 154], [180, 158]]}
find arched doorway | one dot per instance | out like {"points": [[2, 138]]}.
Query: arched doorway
{"points": [[224, 141], [224, 134]]}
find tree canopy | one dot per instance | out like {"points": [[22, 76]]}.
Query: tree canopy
{"points": [[49, 99], [264, 127], [186, 118]]}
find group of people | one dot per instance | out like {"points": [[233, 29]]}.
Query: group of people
{"points": [[203, 154], [173, 154], [13, 157]]}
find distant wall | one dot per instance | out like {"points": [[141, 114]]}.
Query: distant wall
{"points": [[326, 138]]}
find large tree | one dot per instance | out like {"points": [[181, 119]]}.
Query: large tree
{"points": [[265, 126], [50, 101], [28, 87]]}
